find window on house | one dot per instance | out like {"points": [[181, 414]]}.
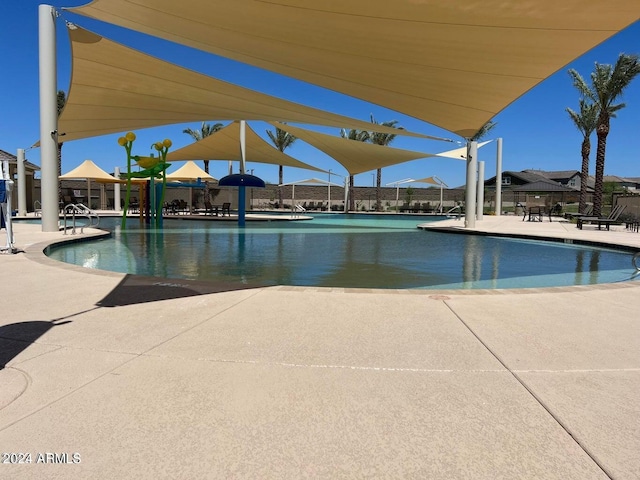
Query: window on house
{"points": [[506, 180]]}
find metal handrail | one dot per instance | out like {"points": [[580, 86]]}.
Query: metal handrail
{"points": [[458, 208], [84, 212]]}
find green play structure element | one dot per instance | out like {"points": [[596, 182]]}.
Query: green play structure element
{"points": [[153, 167]]}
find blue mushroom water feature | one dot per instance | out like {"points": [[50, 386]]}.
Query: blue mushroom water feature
{"points": [[242, 181]]}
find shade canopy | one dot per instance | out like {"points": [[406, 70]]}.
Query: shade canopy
{"points": [[455, 64], [225, 145], [189, 171], [429, 180], [89, 170], [355, 156], [310, 181], [115, 89], [459, 153]]}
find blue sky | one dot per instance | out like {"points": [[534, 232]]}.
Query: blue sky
{"points": [[536, 130]]}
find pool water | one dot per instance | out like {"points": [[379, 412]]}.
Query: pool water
{"points": [[365, 251]]}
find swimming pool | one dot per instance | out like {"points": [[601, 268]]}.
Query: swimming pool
{"points": [[337, 250]]}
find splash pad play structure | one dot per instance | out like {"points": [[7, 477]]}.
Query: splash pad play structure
{"points": [[154, 168]]}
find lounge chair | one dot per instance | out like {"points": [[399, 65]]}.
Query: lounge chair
{"points": [[588, 212], [607, 221]]}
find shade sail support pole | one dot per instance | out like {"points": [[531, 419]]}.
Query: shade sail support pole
{"points": [[470, 194], [116, 190], [499, 177], [48, 117], [241, 188], [480, 204]]}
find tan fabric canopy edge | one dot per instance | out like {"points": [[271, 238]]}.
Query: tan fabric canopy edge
{"points": [[88, 169], [455, 64], [355, 156], [225, 145], [189, 171], [116, 89]]}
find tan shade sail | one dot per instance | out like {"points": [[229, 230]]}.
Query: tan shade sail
{"points": [[189, 171], [89, 170], [430, 180], [453, 63], [459, 153], [225, 145], [115, 89], [355, 156], [311, 181]]}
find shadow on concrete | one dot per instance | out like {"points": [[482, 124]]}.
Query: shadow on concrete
{"points": [[17, 337], [134, 289]]}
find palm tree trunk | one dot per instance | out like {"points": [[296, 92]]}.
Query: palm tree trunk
{"points": [[584, 174], [602, 132], [206, 166], [378, 190]]}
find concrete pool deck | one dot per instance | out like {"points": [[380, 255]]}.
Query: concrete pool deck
{"points": [[147, 378]]}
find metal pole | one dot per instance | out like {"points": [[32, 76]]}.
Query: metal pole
{"points": [[470, 195], [499, 177], [480, 204], [22, 184], [241, 188], [346, 194], [329, 192], [48, 118], [116, 190]]}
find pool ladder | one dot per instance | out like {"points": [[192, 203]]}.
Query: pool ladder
{"points": [[82, 211], [458, 215]]}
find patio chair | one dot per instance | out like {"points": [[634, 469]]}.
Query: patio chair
{"points": [[607, 221], [588, 212], [210, 209], [226, 208]]}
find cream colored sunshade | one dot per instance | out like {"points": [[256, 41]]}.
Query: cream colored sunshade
{"points": [[459, 153], [453, 63], [225, 145], [115, 89], [189, 171], [355, 156], [90, 170]]}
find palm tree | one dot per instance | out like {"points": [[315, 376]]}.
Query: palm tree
{"points": [[206, 129], [359, 136], [281, 140], [62, 100], [585, 121], [607, 86], [381, 139], [484, 130]]}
